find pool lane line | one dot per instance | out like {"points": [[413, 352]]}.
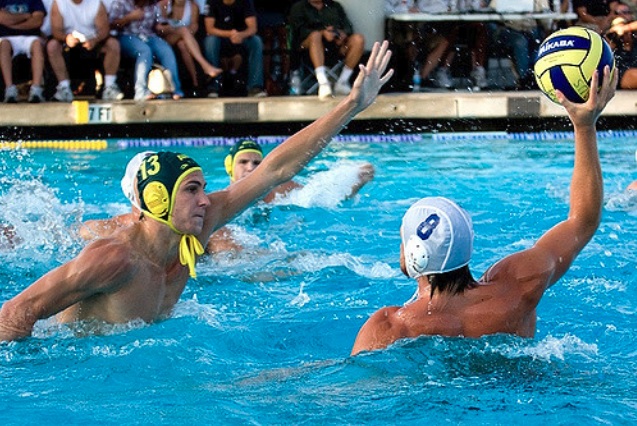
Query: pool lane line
{"points": [[166, 143], [62, 145], [379, 138]]}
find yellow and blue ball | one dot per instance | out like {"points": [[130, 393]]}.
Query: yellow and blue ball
{"points": [[566, 61]]}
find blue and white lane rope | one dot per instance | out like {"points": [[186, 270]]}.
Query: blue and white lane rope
{"points": [[170, 143], [376, 138]]}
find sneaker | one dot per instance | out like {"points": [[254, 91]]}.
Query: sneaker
{"points": [[213, 87], [479, 76], [63, 94], [324, 91], [257, 92], [112, 93], [35, 95], [443, 78], [342, 88], [11, 94]]}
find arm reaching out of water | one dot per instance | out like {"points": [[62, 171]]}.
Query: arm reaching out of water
{"points": [[291, 156], [556, 250]]}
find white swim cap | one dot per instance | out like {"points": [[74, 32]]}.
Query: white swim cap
{"points": [[128, 181], [437, 236]]}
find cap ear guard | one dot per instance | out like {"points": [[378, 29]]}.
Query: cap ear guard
{"points": [[416, 257], [228, 165]]}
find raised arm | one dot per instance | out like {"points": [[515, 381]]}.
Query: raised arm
{"points": [[291, 156], [555, 251]]}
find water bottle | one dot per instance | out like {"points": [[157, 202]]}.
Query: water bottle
{"points": [[416, 80], [295, 83]]}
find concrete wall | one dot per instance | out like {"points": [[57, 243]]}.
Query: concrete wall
{"points": [[368, 18]]}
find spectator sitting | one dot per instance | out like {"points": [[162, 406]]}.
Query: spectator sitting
{"points": [[521, 38], [475, 34], [317, 24], [81, 29], [442, 38], [178, 26], [419, 38], [595, 14], [20, 22], [272, 29], [621, 37], [136, 20], [231, 27]]}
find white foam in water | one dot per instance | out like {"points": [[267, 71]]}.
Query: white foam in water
{"points": [[311, 262], [192, 308], [41, 222], [302, 298], [623, 202], [325, 189], [552, 347]]}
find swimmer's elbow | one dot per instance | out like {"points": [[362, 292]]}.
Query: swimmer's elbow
{"points": [[16, 321]]}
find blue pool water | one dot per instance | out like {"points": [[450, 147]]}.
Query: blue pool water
{"points": [[264, 337]]}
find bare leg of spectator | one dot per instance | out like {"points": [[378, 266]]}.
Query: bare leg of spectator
{"points": [[6, 62], [434, 58], [352, 50], [195, 51], [315, 48], [629, 79]]}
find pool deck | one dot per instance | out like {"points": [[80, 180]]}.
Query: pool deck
{"points": [[409, 112]]}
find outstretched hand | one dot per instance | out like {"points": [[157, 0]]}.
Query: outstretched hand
{"points": [[370, 77], [586, 114]]}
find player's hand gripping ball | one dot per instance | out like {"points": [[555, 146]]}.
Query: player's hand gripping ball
{"points": [[567, 59]]}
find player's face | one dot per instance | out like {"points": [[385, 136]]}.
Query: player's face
{"points": [[245, 163], [191, 203]]}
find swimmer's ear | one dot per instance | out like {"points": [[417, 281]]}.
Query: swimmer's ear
{"points": [[228, 164]]}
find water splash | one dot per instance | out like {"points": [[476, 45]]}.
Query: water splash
{"points": [[326, 189], [40, 224], [623, 202]]}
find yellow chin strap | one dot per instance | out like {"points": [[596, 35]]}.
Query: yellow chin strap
{"points": [[189, 246], [189, 249]]}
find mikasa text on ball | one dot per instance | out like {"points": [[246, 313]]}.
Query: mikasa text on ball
{"points": [[567, 59]]}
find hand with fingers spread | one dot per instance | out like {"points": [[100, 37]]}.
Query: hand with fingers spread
{"points": [[372, 76]]}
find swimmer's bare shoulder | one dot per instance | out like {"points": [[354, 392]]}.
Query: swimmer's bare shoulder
{"points": [[110, 261], [99, 228], [104, 266], [380, 330], [524, 275]]}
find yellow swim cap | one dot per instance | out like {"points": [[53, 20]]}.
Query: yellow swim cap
{"points": [[158, 179]]}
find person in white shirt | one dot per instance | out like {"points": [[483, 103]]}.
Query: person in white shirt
{"points": [[81, 27]]}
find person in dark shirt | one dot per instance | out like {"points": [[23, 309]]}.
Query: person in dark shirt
{"points": [[622, 37], [595, 14], [231, 27], [20, 22], [317, 24]]}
